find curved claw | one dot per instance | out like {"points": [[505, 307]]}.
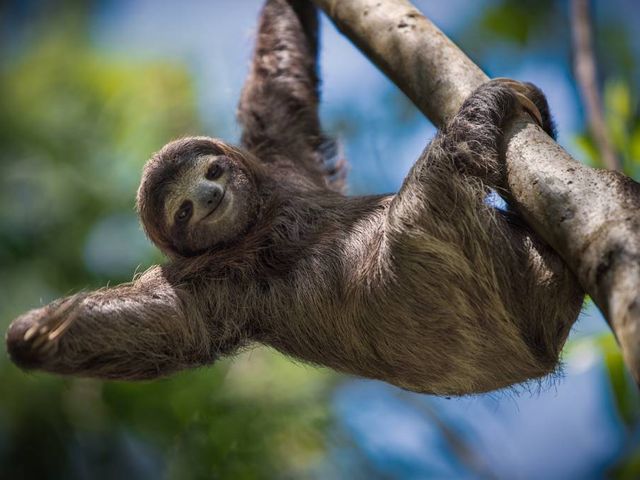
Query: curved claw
{"points": [[34, 336], [521, 90]]}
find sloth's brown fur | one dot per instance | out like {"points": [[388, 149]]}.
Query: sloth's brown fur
{"points": [[430, 289]]}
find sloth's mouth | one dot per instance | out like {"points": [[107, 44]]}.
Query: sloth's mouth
{"points": [[215, 207]]}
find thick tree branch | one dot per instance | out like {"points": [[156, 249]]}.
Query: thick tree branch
{"points": [[591, 217], [584, 66]]}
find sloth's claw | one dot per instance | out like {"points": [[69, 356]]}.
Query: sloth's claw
{"points": [[40, 339], [31, 331], [35, 337], [521, 90], [530, 108]]}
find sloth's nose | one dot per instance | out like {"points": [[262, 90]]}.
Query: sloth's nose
{"points": [[208, 195]]}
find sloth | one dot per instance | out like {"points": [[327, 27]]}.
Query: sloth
{"points": [[431, 289]]}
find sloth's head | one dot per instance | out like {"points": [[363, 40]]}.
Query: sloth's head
{"points": [[197, 193]]}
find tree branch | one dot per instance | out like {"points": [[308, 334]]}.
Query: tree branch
{"points": [[584, 66], [590, 217]]}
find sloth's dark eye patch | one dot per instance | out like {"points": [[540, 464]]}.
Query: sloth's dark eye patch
{"points": [[214, 172], [184, 212]]}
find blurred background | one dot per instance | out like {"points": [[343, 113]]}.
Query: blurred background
{"points": [[88, 90]]}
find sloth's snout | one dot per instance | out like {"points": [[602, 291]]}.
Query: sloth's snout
{"points": [[208, 195]]}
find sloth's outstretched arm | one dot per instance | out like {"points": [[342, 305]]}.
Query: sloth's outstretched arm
{"points": [[278, 109], [141, 330]]}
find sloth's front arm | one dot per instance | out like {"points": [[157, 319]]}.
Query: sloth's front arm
{"points": [[140, 330]]}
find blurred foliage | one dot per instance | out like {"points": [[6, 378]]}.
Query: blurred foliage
{"points": [[515, 25], [623, 124], [624, 389], [232, 421], [516, 20], [75, 131], [536, 25], [627, 406]]}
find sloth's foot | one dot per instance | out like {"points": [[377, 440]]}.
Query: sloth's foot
{"points": [[532, 102]]}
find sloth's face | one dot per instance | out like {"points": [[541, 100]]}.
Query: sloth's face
{"points": [[213, 201], [197, 193]]}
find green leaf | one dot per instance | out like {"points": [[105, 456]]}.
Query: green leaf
{"points": [[624, 389]]}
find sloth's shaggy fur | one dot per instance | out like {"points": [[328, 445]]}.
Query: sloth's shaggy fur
{"points": [[431, 289]]}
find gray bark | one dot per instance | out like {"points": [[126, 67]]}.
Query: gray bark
{"points": [[590, 217]]}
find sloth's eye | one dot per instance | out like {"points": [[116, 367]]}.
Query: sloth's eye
{"points": [[184, 213], [214, 172]]}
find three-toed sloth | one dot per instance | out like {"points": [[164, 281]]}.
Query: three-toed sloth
{"points": [[431, 289]]}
